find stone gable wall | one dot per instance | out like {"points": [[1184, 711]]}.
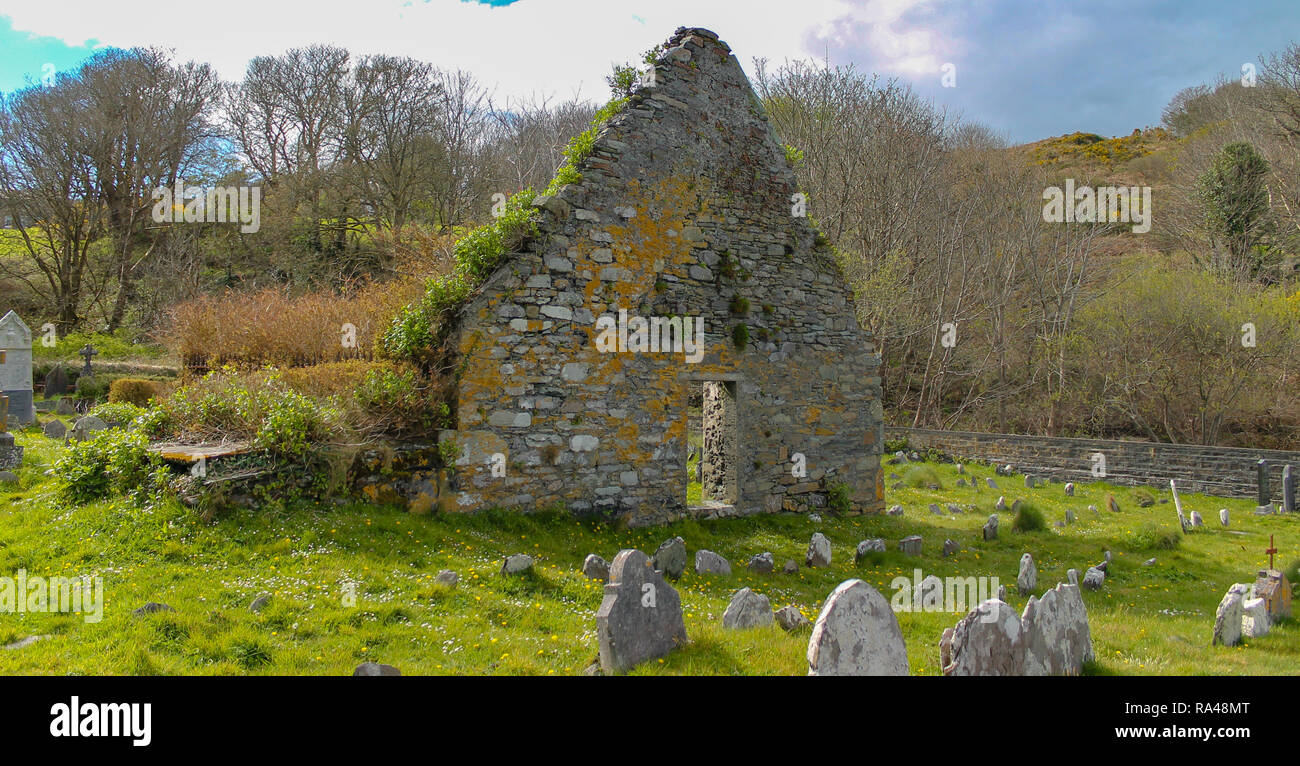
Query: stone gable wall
{"points": [[684, 205]]}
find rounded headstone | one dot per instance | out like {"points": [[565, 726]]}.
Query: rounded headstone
{"points": [[856, 634]]}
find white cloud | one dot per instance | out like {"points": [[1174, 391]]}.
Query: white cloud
{"points": [[531, 46]]}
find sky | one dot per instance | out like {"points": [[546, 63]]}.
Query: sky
{"points": [[1029, 69]]}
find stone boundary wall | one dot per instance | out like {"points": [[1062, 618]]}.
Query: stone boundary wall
{"points": [[1223, 471]]}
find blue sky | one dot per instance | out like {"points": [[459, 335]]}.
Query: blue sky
{"points": [[1028, 68]]}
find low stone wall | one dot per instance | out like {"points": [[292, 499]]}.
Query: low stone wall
{"points": [[1223, 471]]}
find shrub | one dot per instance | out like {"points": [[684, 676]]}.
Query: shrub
{"points": [[1028, 519], [397, 402], [114, 461], [121, 413], [1293, 573], [292, 423], [137, 391], [92, 387], [839, 499], [1152, 536], [921, 476], [739, 305]]}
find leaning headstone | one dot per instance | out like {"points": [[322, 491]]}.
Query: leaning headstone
{"points": [[791, 619], [992, 484], [874, 545], [670, 558], [16, 367], [56, 382], [856, 634], [747, 610], [708, 562], [991, 528], [1254, 618], [1094, 578], [1227, 618], [910, 546], [1027, 580], [259, 603], [640, 617], [819, 551], [1001, 504], [1055, 635], [517, 563], [763, 563], [1111, 503], [84, 427], [986, 642], [55, 429], [595, 567]]}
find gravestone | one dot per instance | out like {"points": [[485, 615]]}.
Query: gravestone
{"points": [[1263, 498], [763, 563], [950, 548], [910, 546], [791, 619], [1254, 618], [56, 382], [1027, 580], [1288, 489], [1054, 631], [856, 634], [670, 558], [747, 609], [1227, 618], [991, 528], [640, 617], [595, 567], [1272, 586], [986, 642], [1223, 516], [1094, 578], [819, 551], [874, 545], [1069, 489], [87, 352], [1178, 506], [708, 562], [16, 367]]}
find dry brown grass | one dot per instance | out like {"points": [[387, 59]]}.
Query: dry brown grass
{"points": [[273, 327]]}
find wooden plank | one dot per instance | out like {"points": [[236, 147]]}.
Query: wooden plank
{"points": [[191, 453]]}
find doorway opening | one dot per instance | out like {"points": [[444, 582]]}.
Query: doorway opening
{"points": [[712, 438]]}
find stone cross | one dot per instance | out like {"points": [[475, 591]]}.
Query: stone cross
{"points": [[1270, 551], [89, 351], [1288, 489], [1261, 476]]}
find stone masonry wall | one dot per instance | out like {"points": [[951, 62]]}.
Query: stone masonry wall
{"points": [[1222, 471], [684, 205]]}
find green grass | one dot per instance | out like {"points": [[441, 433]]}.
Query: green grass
{"points": [[1147, 620]]}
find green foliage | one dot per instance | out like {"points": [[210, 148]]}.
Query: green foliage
{"points": [[739, 305], [112, 462], [1293, 572], [449, 451], [1152, 536], [122, 413], [1028, 519], [740, 336], [291, 424], [92, 387], [921, 476], [838, 498], [136, 391], [793, 155], [396, 399], [895, 445], [119, 345], [1234, 192], [418, 327], [580, 146]]}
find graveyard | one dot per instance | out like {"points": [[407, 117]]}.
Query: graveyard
{"points": [[1146, 620], [646, 416]]}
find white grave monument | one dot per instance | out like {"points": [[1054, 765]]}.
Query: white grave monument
{"points": [[16, 367]]}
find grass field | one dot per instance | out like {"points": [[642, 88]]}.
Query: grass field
{"points": [[1147, 620]]}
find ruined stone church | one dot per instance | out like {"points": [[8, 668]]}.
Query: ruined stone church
{"points": [[680, 268]]}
